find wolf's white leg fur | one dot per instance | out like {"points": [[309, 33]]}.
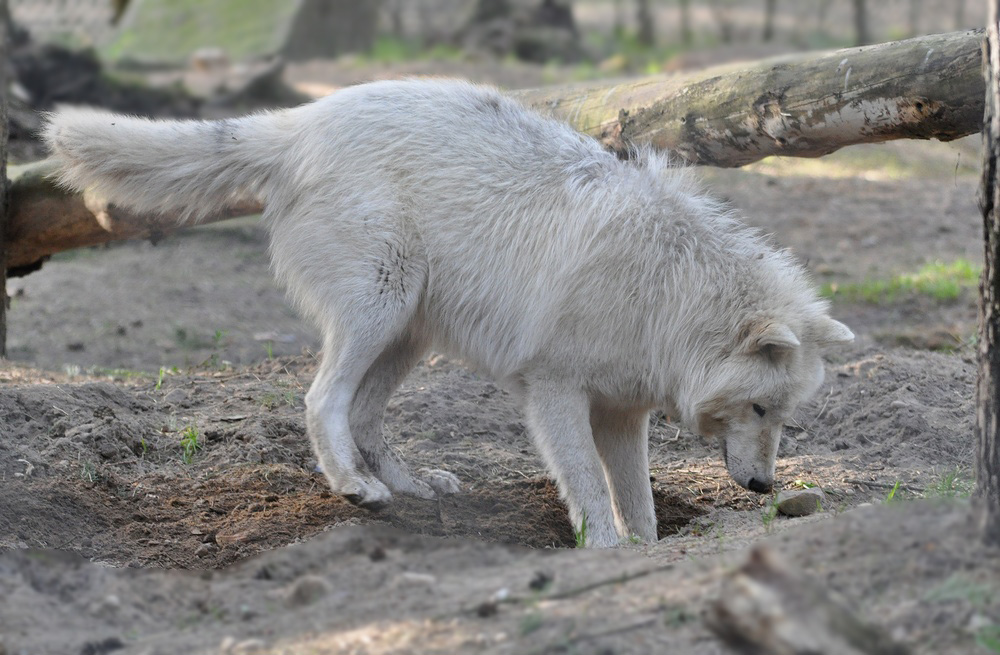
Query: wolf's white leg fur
{"points": [[364, 293], [368, 413], [328, 405], [558, 416], [622, 442]]}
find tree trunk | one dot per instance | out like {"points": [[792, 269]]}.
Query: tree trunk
{"points": [[5, 32], [959, 14], [619, 28], [686, 34], [805, 105], [988, 387], [395, 9], [824, 7], [721, 11], [769, 10], [862, 36], [916, 6], [647, 27]]}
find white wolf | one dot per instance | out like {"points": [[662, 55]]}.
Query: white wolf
{"points": [[417, 214]]}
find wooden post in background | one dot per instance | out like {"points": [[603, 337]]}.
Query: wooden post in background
{"points": [[5, 32], [988, 387]]}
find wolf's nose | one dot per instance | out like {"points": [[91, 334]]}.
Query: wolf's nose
{"points": [[759, 487]]}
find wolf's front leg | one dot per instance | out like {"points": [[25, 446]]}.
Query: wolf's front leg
{"points": [[559, 417], [623, 443]]}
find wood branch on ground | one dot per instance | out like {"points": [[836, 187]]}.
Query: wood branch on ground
{"points": [[46, 219], [765, 608], [804, 105]]}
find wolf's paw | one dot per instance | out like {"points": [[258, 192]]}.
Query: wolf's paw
{"points": [[442, 482], [366, 492]]}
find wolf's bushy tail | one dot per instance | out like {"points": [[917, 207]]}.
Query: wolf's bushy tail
{"points": [[185, 167]]}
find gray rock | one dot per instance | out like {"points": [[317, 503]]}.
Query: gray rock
{"points": [[306, 591], [800, 502]]}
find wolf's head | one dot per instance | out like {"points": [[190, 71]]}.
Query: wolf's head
{"points": [[746, 395]]}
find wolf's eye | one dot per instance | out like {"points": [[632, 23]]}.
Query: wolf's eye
{"points": [[760, 410]]}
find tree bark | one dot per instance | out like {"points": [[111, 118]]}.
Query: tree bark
{"points": [[988, 387], [809, 105], [5, 33]]}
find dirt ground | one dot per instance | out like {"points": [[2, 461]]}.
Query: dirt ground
{"points": [[113, 539]]}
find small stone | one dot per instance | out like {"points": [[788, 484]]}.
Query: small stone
{"points": [[978, 622], [540, 581], [800, 502], [227, 644], [230, 539], [377, 554], [248, 646], [204, 549], [306, 591], [106, 607], [412, 579]]}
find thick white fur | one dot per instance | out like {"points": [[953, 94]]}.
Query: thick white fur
{"points": [[406, 215]]}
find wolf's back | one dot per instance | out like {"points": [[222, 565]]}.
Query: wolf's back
{"points": [[187, 167]]}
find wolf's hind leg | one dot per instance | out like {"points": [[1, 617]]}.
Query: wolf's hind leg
{"points": [[559, 416], [622, 441], [367, 416], [366, 307], [328, 405]]}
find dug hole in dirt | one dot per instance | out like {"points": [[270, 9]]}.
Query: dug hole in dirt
{"points": [[168, 502]]}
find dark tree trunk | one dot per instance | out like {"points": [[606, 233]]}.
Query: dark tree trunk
{"points": [[769, 10], [824, 7], [916, 6], [862, 36], [686, 35], [619, 19], [647, 29], [395, 9], [988, 388], [6, 29], [721, 9]]}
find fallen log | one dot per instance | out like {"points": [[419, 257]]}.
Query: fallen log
{"points": [[46, 219], [804, 105]]}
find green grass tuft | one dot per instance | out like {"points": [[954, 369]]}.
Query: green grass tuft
{"points": [[581, 535], [189, 444], [938, 280]]}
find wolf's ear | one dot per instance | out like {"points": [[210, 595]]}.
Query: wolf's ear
{"points": [[829, 331], [772, 339]]}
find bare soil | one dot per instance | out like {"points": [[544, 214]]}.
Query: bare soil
{"points": [[111, 540]]}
